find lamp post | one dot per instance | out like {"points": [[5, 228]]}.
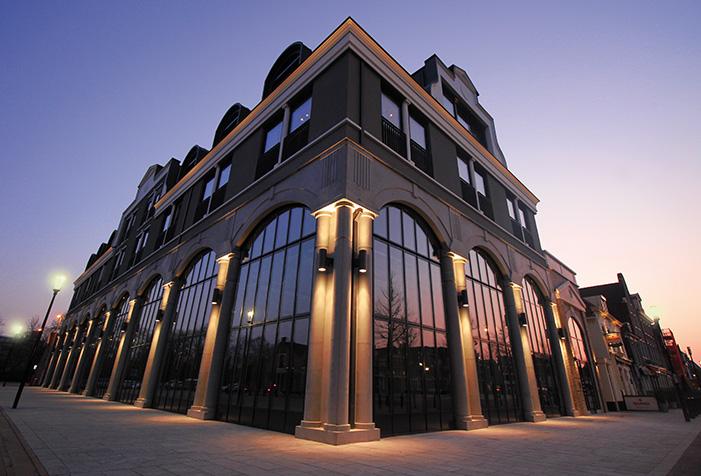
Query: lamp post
{"points": [[58, 282]]}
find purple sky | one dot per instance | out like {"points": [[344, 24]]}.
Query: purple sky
{"points": [[596, 105]]}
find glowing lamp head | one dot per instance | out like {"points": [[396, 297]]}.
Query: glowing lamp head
{"points": [[57, 281]]}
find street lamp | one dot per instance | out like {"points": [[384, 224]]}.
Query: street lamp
{"points": [[57, 283]]}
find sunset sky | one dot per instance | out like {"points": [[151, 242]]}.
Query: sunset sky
{"points": [[596, 105]]}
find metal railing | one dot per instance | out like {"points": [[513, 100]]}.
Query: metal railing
{"points": [[393, 137]]}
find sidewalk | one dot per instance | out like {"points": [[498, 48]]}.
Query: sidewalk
{"points": [[75, 435]]}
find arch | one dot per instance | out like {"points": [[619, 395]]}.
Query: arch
{"points": [[251, 218], [194, 155], [270, 322], [421, 207], [494, 258], [146, 284], [293, 56], [196, 251], [233, 116], [539, 286]]}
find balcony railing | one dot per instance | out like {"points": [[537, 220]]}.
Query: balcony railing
{"points": [[393, 137], [295, 141], [217, 198], [468, 193], [421, 158], [516, 228], [528, 238], [485, 205]]}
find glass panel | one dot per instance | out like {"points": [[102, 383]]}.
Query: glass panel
{"points": [[379, 226], [479, 183], [304, 287], [289, 281], [224, 173], [272, 137], [395, 225], [408, 228], [208, 188], [309, 225], [417, 131], [295, 224], [301, 114], [281, 233], [412, 289], [463, 170], [390, 111]]}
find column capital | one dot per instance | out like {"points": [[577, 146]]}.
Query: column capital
{"points": [[169, 284], [225, 258], [365, 213], [457, 258]]}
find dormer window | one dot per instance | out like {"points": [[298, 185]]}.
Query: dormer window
{"points": [[301, 115]]}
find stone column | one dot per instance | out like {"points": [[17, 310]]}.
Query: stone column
{"points": [[61, 363], [339, 363], [406, 127], [556, 344], [313, 406], [100, 352], [205, 404], [55, 353], [364, 331], [64, 383], [125, 341], [513, 300], [84, 359], [283, 133], [169, 304], [466, 397]]}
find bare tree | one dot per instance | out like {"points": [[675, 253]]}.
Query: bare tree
{"points": [[390, 307]]}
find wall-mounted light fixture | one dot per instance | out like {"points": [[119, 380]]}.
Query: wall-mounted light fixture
{"points": [[361, 261], [462, 298], [216, 296], [323, 260], [159, 315], [124, 327], [561, 333], [523, 319]]}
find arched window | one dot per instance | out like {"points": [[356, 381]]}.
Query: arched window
{"points": [[498, 378], [265, 369], [78, 343], [583, 364], [178, 376], [110, 341], [548, 388], [412, 379], [96, 329], [135, 363]]}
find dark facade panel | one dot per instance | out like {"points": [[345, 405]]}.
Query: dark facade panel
{"points": [[444, 158]]}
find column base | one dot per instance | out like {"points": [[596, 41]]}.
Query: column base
{"points": [[201, 413], [472, 422], [142, 403], [333, 437], [108, 397], [535, 417]]}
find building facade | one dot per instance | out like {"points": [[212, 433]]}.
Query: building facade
{"points": [[642, 337], [351, 258]]}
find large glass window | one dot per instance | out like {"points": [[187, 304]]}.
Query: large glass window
{"points": [[548, 388], [301, 115], [178, 376], [265, 369], [109, 345], [412, 376], [584, 366], [498, 379], [140, 346]]}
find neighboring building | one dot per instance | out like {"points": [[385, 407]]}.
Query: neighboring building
{"points": [[352, 256], [572, 310], [613, 366], [642, 338], [685, 369]]}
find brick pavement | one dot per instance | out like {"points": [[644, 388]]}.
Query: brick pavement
{"points": [[75, 435]]}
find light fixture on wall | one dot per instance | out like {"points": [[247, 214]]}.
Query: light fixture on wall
{"points": [[324, 260], [216, 296], [561, 333], [522, 319], [124, 327], [462, 298], [159, 315], [361, 261]]}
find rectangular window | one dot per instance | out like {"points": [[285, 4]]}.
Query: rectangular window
{"points": [[522, 218], [512, 208], [273, 136], [208, 188], [448, 104], [463, 121], [463, 170], [480, 184], [391, 111], [224, 173], [417, 132], [301, 115], [167, 220]]}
